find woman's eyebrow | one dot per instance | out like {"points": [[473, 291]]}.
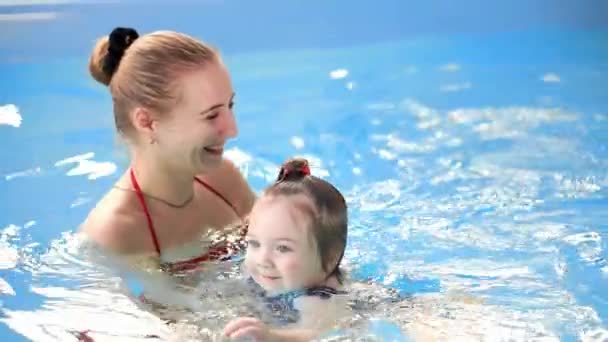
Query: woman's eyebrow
{"points": [[216, 106]]}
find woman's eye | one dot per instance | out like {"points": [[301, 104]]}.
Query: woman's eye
{"points": [[231, 104], [213, 116]]}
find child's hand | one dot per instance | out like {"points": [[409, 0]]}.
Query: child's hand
{"points": [[248, 327]]}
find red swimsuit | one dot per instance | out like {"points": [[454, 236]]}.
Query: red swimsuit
{"points": [[215, 253]]}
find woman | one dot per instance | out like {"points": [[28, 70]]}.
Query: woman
{"points": [[173, 100]]}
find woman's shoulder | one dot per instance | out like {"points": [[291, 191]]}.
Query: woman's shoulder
{"points": [[111, 224], [229, 181]]}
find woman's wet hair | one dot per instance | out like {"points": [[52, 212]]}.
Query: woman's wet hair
{"points": [[142, 71], [329, 218]]}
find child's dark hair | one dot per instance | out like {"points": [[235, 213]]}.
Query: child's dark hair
{"points": [[329, 219]]}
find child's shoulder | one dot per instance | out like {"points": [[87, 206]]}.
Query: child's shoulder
{"points": [[323, 292], [321, 306]]}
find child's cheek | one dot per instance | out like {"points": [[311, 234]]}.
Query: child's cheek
{"points": [[292, 265], [248, 265]]}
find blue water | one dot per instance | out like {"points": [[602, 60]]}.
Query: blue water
{"points": [[472, 163]]}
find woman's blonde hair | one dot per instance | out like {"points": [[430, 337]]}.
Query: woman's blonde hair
{"points": [[142, 71]]}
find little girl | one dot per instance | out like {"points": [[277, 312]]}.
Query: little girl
{"points": [[296, 239]]}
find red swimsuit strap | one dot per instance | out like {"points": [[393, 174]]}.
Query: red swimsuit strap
{"points": [[142, 201], [218, 194]]}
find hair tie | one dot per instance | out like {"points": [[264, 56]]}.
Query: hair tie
{"points": [[120, 39], [305, 169], [289, 170]]}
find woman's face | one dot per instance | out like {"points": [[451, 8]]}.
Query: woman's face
{"points": [[192, 136]]}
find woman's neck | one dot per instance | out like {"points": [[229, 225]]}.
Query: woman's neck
{"points": [[158, 180]]}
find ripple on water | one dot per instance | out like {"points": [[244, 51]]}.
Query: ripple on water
{"points": [[588, 246]]}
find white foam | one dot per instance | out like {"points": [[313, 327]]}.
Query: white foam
{"points": [[450, 67], [551, 78], [560, 268], [378, 196], [431, 123], [9, 257], [297, 142], [28, 16], [6, 288], [456, 87], [106, 314], [595, 335], [576, 188], [380, 106], [397, 145], [8, 3], [75, 159], [93, 169], [418, 109], [9, 114], [523, 116], [238, 156], [80, 201], [385, 154], [600, 117], [88, 167], [9, 232], [338, 74], [26, 173], [579, 238]]}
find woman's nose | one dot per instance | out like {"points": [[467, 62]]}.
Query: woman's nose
{"points": [[228, 126]]}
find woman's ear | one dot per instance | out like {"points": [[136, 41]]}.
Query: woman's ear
{"points": [[145, 123]]}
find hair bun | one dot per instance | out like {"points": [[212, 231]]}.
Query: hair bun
{"points": [[120, 39], [294, 169]]}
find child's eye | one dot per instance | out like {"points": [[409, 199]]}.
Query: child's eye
{"points": [[283, 249], [213, 116], [253, 244]]}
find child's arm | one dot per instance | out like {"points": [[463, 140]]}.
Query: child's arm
{"points": [[316, 317], [256, 329]]}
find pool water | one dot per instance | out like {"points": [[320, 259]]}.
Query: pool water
{"points": [[475, 169]]}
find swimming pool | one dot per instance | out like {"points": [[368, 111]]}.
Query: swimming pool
{"points": [[474, 165]]}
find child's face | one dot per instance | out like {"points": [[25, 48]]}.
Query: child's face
{"points": [[280, 254]]}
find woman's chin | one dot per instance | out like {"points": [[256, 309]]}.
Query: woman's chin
{"points": [[208, 161]]}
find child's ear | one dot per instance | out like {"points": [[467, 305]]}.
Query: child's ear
{"points": [[333, 260]]}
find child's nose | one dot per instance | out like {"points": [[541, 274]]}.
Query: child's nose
{"points": [[264, 258]]}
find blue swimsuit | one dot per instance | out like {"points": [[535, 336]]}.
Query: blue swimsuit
{"points": [[281, 306]]}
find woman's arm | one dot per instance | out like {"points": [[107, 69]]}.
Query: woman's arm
{"points": [[141, 274]]}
